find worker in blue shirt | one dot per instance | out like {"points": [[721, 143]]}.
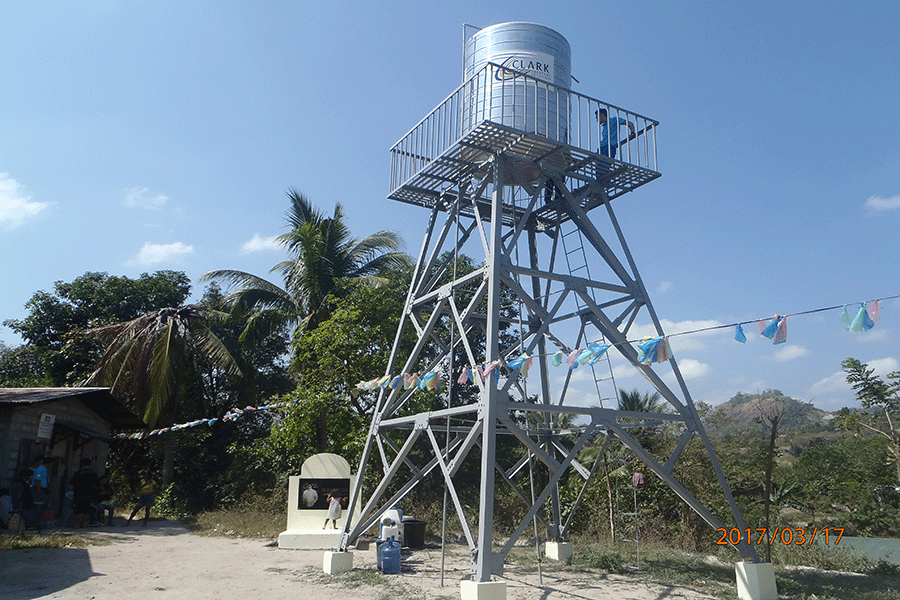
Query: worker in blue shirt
{"points": [[609, 132]]}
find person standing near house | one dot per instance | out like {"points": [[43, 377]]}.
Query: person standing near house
{"points": [[146, 499], [5, 507], [23, 500], [41, 485], [104, 501], [84, 486]]}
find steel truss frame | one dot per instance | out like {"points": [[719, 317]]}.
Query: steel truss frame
{"points": [[447, 321]]}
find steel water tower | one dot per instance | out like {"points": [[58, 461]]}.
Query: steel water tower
{"points": [[519, 172]]}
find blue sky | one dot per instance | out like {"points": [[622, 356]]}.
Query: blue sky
{"points": [[138, 135]]}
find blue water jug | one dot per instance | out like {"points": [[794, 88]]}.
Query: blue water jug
{"points": [[389, 557]]}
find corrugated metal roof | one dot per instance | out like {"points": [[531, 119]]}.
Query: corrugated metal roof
{"points": [[99, 400]]}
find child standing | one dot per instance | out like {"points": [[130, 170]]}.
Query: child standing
{"points": [[146, 499], [334, 508]]}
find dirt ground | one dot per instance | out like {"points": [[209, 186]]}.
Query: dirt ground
{"points": [[164, 561]]}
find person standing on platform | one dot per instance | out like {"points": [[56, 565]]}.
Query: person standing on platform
{"points": [[609, 131]]}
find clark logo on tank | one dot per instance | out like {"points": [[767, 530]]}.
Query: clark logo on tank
{"points": [[540, 67]]}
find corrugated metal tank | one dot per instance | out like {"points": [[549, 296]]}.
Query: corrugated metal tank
{"points": [[504, 96]]}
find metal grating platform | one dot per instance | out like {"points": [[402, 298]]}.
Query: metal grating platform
{"points": [[469, 157], [483, 118]]}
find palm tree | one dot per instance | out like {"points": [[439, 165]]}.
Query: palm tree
{"points": [[321, 252], [153, 359], [634, 401]]}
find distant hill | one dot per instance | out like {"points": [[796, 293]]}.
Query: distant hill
{"points": [[741, 413]]}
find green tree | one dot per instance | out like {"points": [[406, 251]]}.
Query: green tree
{"points": [[874, 392], [153, 360], [634, 401], [22, 367], [321, 252], [263, 365], [56, 321]]}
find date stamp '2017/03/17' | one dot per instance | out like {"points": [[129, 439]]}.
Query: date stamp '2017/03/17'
{"points": [[797, 536]]}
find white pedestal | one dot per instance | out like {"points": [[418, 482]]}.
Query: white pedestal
{"points": [[310, 539], [561, 551], [482, 590], [755, 581], [337, 562]]}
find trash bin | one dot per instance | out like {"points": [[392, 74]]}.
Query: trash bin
{"points": [[414, 533]]}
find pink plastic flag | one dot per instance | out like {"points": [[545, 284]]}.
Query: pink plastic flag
{"points": [[664, 351], [572, 357], [875, 311], [409, 380], [761, 325], [781, 332], [481, 372], [463, 376], [526, 366]]}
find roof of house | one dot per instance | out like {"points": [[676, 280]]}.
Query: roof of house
{"points": [[99, 400]]}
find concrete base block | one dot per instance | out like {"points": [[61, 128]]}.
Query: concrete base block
{"points": [[310, 539], [561, 551], [482, 590], [755, 581], [337, 562]]}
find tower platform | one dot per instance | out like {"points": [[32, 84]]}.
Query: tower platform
{"points": [[457, 140]]}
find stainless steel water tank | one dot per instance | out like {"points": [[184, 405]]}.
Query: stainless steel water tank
{"points": [[536, 102]]}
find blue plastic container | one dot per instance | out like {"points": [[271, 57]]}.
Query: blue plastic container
{"points": [[389, 557]]}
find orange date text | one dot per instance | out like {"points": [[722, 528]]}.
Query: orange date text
{"points": [[798, 536]]}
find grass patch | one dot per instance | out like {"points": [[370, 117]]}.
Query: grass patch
{"points": [[245, 523], [52, 540]]}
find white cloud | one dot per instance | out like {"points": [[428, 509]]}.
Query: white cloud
{"points": [[789, 352], [151, 254], [258, 243], [140, 197], [833, 392], [883, 366], [15, 207], [873, 335], [692, 369], [665, 286], [836, 382], [879, 203]]}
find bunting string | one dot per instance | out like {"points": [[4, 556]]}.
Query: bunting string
{"points": [[650, 349], [233, 415]]}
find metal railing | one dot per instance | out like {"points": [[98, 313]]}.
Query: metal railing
{"points": [[533, 106]]}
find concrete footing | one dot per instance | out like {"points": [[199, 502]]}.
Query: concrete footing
{"points": [[561, 551], [482, 590], [337, 562], [755, 581]]}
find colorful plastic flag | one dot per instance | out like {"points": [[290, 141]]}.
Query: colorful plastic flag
{"points": [[862, 321], [875, 311], [558, 358]]}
